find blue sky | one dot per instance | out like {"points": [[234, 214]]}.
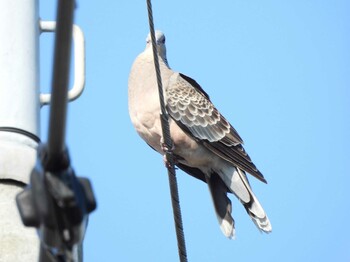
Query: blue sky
{"points": [[278, 70]]}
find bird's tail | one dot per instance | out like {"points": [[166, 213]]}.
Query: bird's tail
{"points": [[222, 204], [238, 184], [254, 208]]}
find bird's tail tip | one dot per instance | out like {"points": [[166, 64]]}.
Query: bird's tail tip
{"points": [[228, 228], [258, 215], [263, 224]]}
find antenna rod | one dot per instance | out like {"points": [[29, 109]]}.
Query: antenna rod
{"points": [[60, 80]]}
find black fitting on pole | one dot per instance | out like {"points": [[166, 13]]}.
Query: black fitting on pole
{"points": [[58, 204]]}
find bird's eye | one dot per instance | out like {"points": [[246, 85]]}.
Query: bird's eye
{"points": [[162, 40]]}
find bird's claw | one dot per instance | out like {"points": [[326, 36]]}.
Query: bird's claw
{"points": [[167, 164], [165, 147], [167, 151]]}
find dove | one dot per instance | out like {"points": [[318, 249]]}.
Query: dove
{"points": [[206, 145]]}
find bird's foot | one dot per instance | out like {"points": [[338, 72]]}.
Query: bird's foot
{"points": [[167, 151], [167, 163]]}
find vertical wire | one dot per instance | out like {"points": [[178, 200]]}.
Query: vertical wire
{"points": [[169, 143]]}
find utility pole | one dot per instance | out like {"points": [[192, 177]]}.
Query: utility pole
{"points": [[19, 121], [20, 102]]}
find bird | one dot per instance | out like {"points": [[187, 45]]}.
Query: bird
{"points": [[205, 145]]}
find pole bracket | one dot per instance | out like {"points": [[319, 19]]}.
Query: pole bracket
{"points": [[79, 61]]}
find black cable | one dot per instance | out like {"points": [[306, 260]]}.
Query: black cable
{"points": [[169, 143], [20, 131]]}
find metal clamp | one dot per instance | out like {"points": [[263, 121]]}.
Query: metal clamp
{"points": [[79, 62]]}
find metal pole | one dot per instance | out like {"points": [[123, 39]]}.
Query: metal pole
{"points": [[19, 121]]}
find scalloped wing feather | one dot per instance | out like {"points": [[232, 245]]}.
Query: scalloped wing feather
{"points": [[189, 105]]}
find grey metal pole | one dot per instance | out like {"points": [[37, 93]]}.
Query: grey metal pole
{"points": [[19, 121]]}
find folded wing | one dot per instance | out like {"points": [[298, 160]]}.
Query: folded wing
{"points": [[190, 106]]}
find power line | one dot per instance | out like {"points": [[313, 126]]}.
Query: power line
{"points": [[169, 144]]}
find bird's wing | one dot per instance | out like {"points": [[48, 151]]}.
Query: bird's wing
{"points": [[190, 107]]}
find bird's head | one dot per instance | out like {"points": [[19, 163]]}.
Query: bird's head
{"points": [[160, 42]]}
